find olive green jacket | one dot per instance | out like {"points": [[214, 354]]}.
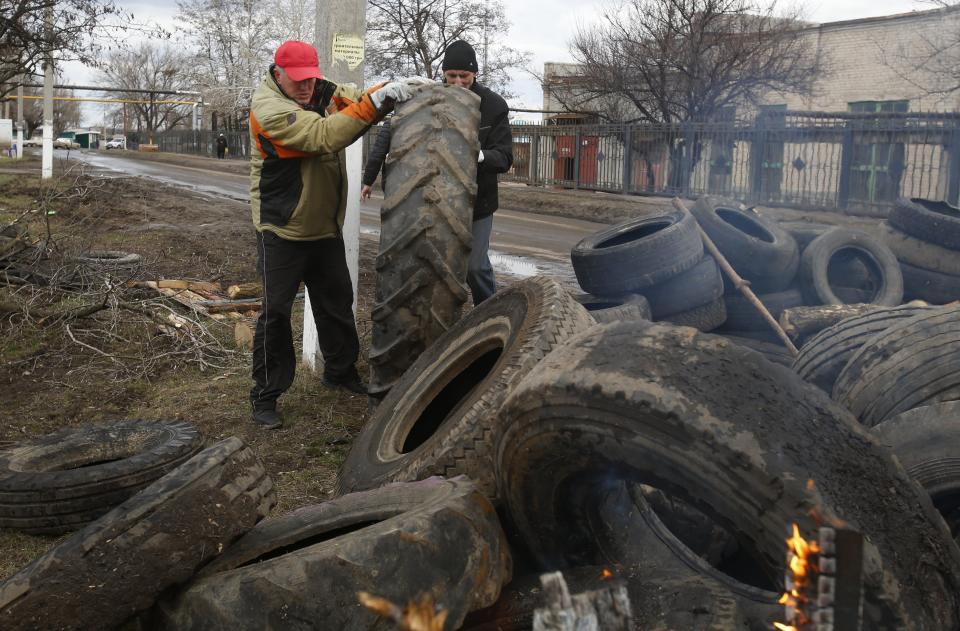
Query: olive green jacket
{"points": [[298, 183]]}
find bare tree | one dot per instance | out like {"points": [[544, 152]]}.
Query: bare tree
{"points": [[667, 61], [66, 114], [409, 37], [149, 67], [293, 19], [232, 43], [79, 31]]}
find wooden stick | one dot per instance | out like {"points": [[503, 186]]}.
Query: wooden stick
{"points": [[742, 286]]}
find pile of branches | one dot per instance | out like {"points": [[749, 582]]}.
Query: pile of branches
{"points": [[83, 303]]}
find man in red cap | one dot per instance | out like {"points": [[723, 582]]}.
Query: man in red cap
{"points": [[300, 125]]}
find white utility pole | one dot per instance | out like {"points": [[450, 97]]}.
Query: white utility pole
{"points": [[20, 118], [340, 30], [46, 171]]}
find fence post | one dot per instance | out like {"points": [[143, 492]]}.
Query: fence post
{"points": [[686, 168], [758, 148], [954, 152], [534, 158], [627, 159], [846, 164], [576, 160]]}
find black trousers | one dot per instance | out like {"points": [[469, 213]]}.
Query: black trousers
{"points": [[322, 266]]}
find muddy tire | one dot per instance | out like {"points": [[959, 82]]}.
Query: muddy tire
{"points": [[110, 260], [757, 248], [118, 565], [921, 254], [913, 363], [931, 221], [603, 310], [928, 285], [743, 316], [441, 419], [774, 352], [729, 433], [699, 285], [825, 355], [837, 247], [303, 570], [61, 482], [926, 440], [637, 254], [804, 232], [425, 228], [703, 318]]}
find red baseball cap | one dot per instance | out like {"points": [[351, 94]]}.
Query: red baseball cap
{"points": [[299, 60]]}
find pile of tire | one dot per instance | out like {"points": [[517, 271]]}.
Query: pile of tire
{"points": [[823, 265], [896, 370], [657, 262], [925, 236], [677, 458]]}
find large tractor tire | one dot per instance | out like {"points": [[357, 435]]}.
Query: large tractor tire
{"points": [[425, 228], [729, 433]]}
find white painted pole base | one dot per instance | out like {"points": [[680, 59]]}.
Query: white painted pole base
{"points": [[312, 358]]}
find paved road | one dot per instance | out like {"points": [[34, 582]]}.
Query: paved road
{"points": [[522, 243]]}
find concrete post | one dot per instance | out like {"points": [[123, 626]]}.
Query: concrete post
{"points": [[340, 29], [46, 170], [20, 118]]}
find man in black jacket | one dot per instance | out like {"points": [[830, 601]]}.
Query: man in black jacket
{"points": [[496, 156]]}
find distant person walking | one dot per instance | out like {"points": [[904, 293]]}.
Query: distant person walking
{"points": [[496, 156], [221, 146], [300, 125]]}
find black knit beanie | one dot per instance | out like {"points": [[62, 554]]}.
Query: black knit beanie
{"points": [[460, 56]]}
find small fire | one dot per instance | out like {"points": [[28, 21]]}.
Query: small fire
{"points": [[606, 574], [800, 575]]}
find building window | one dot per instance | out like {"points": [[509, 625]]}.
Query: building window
{"points": [[878, 107]]}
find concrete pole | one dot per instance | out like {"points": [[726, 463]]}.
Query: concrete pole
{"points": [[46, 170], [20, 118], [340, 29]]}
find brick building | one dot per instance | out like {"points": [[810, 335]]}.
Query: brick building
{"points": [[877, 125]]}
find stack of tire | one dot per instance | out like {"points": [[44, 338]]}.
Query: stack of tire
{"points": [[657, 261], [565, 425], [898, 371], [925, 236]]}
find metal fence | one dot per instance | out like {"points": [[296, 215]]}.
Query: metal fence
{"points": [[855, 162], [201, 143]]}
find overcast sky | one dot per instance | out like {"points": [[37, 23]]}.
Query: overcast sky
{"points": [[542, 27]]}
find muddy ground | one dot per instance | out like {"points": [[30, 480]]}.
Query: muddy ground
{"points": [[59, 370]]}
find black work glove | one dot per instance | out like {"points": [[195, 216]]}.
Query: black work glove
{"points": [[322, 93]]}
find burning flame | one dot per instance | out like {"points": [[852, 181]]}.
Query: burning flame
{"points": [[606, 574], [801, 569]]}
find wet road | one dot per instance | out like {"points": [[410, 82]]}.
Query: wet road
{"points": [[522, 243]]}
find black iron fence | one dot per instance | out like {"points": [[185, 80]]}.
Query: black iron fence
{"points": [[815, 160], [201, 143], [855, 162]]}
